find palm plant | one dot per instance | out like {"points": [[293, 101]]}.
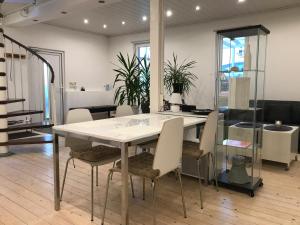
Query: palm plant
{"points": [[144, 74], [177, 77], [128, 75]]}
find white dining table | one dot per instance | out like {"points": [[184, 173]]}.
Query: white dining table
{"points": [[120, 132]]}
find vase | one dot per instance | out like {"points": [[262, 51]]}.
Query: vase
{"points": [[178, 88]]}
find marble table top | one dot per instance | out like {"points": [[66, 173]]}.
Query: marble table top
{"points": [[123, 129]]}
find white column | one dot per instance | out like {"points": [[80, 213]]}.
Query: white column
{"points": [[3, 92], [157, 54]]}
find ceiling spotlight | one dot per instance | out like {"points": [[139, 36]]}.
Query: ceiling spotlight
{"points": [[197, 7], [104, 26], [123, 22], [145, 18], [169, 13], [86, 21], [241, 1]]}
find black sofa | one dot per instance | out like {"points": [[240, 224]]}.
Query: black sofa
{"points": [[271, 110]]}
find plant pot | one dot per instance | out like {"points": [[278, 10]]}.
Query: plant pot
{"points": [[145, 107], [178, 88], [135, 109]]}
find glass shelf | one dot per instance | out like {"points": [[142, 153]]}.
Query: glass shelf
{"points": [[240, 86]]}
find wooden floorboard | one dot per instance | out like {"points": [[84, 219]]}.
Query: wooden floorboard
{"points": [[26, 196]]}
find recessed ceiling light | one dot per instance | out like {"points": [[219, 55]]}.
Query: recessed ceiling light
{"points": [[86, 21], [169, 13], [104, 26], [197, 7], [123, 22], [145, 18], [241, 1]]}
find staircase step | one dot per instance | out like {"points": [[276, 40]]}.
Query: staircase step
{"points": [[12, 100], [31, 140], [26, 126], [21, 113]]}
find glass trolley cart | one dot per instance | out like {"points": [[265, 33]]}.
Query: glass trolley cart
{"points": [[241, 57]]}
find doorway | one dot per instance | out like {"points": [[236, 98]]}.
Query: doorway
{"points": [[56, 59]]}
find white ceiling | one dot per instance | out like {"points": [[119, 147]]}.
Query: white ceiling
{"points": [[132, 11], [10, 6]]}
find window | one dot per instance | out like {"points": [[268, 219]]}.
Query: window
{"points": [[46, 93], [232, 56], [143, 50]]}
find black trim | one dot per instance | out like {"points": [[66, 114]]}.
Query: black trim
{"points": [[2, 59], [2, 74], [2, 45], [4, 102], [26, 126], [21, 113], [33, 53], [243, 31], [3, 88]]}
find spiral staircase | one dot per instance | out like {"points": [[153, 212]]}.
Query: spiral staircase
{"points": [[23, 96]]}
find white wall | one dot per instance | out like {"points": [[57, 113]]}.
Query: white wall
{"points": [[86, 60], [197, 42]]}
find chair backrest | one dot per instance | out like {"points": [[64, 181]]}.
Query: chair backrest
{"points": [[168, 151], [124, 110], [208, 137], [77, 116]]}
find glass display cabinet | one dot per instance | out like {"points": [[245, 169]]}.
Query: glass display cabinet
{"points": [[241, 57]]}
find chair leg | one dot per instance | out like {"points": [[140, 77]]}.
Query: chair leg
{"points": [[200, 183], [73, 163], [182, 194], [113, 167], [106, 195], [97, 177], [144, 187], [213, 159], [92, 193], [131, 183], [155, 187], [65, 175]]}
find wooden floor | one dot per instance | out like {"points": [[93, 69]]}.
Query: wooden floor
{"points": [[26, 196]]}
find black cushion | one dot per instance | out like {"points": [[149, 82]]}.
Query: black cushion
{"points": [[296, 114], [280, 112]]}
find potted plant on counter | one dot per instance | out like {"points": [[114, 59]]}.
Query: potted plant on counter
{"points": [[177, 77], [127, 82]]}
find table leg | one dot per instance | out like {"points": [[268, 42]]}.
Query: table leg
{"points": [[124, 194], [56, 172]]}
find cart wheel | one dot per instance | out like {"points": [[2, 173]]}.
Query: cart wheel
{"points": [[261, 184], [251, 194]]}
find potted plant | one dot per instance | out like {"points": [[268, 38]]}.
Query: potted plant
{"points": [[144, 73], [177, 77], [128, 90]]}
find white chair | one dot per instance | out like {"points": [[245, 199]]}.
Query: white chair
{"points": [[85, 152], [166, 159], [124, 110], [205, 148], [198, 151]]}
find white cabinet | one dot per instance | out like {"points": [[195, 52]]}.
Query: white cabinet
{"points": [[280, 146]]}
